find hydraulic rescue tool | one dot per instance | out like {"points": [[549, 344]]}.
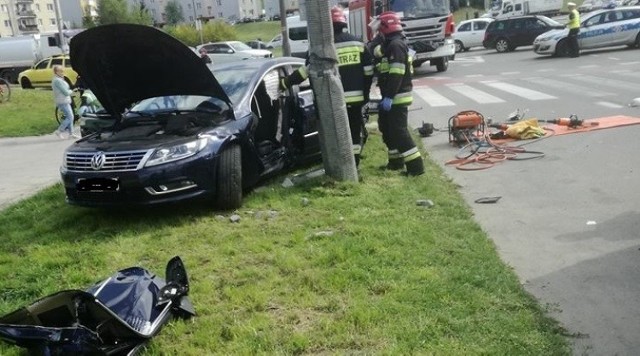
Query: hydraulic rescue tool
{"points": [[466, 126], [571, 122]]}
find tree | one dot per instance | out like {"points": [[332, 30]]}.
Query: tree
{"points": [[140, 14], [173, 12], [112, 11]]}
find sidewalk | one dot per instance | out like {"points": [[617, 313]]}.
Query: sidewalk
{"points": [[29, 164]]}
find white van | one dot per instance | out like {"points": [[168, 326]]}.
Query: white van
{"points": [[298, 39]]}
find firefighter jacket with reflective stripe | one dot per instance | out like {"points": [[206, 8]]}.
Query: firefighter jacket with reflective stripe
{"points": [[574, 19], [355, 66], [395, 70]]}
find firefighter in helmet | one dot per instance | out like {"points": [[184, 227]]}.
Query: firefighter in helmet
{"points": [[355, 67], [394, 79]]}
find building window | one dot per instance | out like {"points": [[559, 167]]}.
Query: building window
{"points": [[209, 10], [7, 23], [4, 8], [219, 14], [190, 18], [198, 6], [50, 7], [189, 6], [40, 22], [52, 21], [38, 7]]}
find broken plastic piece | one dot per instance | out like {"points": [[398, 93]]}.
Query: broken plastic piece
{"points": [[487, 200]]}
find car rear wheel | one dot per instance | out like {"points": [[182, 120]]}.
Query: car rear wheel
{"points": [[459, 46], [229, 179], [562, 48], [25, 83], [638, 41], [502, 45]]}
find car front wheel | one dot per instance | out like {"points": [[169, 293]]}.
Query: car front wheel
{"points": [[562, 48], [25, 83], [229, 179], [502, 45]]}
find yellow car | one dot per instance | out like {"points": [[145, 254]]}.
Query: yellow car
{"points": [[41, 74]]}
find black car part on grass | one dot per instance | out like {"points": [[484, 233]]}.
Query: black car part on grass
{"points": [[116, 316]]}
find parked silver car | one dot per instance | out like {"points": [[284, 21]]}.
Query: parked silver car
{"points": [[601, 28]]}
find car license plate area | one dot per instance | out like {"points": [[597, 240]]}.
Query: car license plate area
{"points": [[98, 185]]}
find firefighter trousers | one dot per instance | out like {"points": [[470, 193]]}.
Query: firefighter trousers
{"points": [[354, 112], [393, 125]]}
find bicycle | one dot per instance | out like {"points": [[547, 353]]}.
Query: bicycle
{"points": [[5, 90], [75, 104]]}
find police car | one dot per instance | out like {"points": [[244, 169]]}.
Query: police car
{"points": [[602, 28]]}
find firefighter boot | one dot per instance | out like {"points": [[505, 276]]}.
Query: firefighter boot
{"points": [[394, 164], [415, 167]]}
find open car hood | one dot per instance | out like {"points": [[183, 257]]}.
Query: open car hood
{"points": [[125, 63]]}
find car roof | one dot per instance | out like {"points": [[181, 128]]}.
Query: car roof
{"points": [[482, 19]]}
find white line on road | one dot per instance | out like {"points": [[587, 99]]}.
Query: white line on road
{"points": [[628, 63], [564, 86], [618, 84], [545, 70], [509, 73], [589, 66], [609, 105], [519, 91], [474, 75], [432, 97], [474, 94]]}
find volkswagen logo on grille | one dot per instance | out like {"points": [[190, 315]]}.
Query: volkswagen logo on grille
{"points": [[97, 161]]}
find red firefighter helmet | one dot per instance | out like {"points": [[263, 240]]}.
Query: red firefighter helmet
{"points": [[389, 22], [337, 15]]}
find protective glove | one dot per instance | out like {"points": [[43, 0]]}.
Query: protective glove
{"points": [[385, 104]]}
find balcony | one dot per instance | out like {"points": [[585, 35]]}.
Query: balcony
{"points": [[26, 14], [28, 28], [23, 1]]}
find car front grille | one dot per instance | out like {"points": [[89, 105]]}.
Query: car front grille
{"points": [[105, 161]]}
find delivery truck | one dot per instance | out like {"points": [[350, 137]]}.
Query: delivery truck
{"points": [[509, 8]]}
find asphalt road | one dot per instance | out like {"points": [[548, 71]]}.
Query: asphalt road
{"points": [[28, 165], [568, 223]]}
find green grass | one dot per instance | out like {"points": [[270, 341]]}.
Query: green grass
{"points": [[265, 30], [359, 269], [28, 113]]}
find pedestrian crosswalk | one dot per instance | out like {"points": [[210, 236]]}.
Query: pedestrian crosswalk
{"points": [[447, 91]]}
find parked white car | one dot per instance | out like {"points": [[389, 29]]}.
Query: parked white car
{"points": [[237, 49], [601, 28], [470, 33], [590, 5]]}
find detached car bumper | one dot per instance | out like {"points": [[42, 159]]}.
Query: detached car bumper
{"points": [[170, 182]]}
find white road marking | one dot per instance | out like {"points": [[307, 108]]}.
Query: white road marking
{"points": [[599, 81], [609, 105], [628, 63], [474, 75], [589, 66], [564, 86], [470, 59], [474, 94], [545, 70], [432, 97], [519, 91], [509, 73]]}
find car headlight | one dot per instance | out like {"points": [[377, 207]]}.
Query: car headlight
{"points": [[173, 153]]}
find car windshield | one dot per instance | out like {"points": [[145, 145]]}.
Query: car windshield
{"points": [[239, 46], [176, 103], [416, 9]]}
